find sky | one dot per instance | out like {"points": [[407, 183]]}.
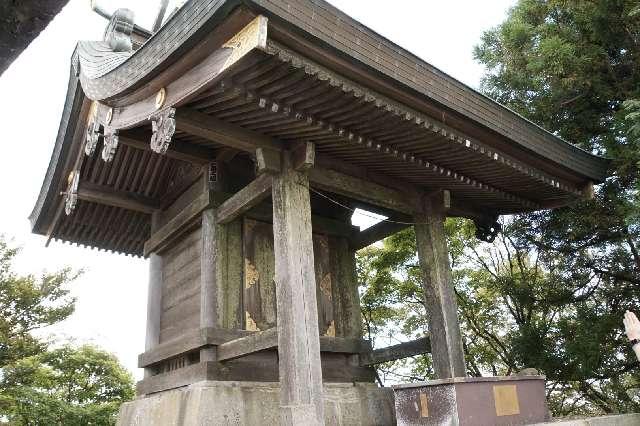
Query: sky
{"points": [[111, 293]]}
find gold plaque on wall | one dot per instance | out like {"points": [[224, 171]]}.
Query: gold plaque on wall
{"points": [[506, 400], [424, 406]]}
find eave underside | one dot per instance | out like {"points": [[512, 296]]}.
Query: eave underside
{"points": [[276, 94]]}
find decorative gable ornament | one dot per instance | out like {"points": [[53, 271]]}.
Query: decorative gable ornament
{"points": [[118, 33]]}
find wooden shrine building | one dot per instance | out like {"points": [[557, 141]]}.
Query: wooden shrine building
{"points": [[230, 147]]}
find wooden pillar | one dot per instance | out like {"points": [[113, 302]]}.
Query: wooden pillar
{"points": [[154, 299], [154, 305], [442, 307], [208, 288], [301, 401]]}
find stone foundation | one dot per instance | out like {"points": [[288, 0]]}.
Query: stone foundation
{"points": [[251, 403]]}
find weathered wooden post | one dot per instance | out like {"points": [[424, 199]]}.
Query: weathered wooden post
{"points": [[154, 301], [298, 338], [446, 340], [208, 287]]}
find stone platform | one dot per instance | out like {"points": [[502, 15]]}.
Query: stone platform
{"points": [[253, 403]]}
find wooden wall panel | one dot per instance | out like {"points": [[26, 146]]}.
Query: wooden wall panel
{"points": [[229, 273], [181, 287], [259, 296], [259, 268]]}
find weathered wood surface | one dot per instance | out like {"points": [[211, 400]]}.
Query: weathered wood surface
{"points": [[174, 379], [183, 220], [268, 339], [268, 160], [298, 339], [109, 197], [209, 316], [213, 129], [376, 233], [245, 199], [189, 341], [181, 286], [255, 342], [360, 189], [258, 367], [346, 299], [154, 304], [303, 156], [229, 274], [325, 282], [177, 150], [259, 289], [321, 225], [395, 352], [440, 298]]}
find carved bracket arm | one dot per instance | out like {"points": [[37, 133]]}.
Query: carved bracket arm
{"points": [[163, 126]]}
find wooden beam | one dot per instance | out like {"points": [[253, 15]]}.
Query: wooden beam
{"points": [[205, 126], [319, 224], [177, 150], [375, 233], [189, 341], [300, 371], [108, 196], [395, 352], [360, 189], [268, 339], [245, 199], [440, 298], [256, 342], [183, 220]]}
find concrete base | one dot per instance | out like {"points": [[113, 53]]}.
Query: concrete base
{"points": [[621, 420], [251, 403]]}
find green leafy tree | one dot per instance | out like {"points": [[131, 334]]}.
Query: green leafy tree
{"points": [[29, 303], [517, 310], [67, 386], [570, 66], [38, 386]]}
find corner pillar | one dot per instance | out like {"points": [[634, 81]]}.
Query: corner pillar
{"points": [[442, 307], [208, 288], [154, 302], [300, 370]]}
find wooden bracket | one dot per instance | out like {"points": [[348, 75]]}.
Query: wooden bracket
{"points": [[164, 126], [268, 161], [303, 156], [588, 191], [111, 141], [245, 199]]}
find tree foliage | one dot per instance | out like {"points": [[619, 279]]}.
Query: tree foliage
{"points": [[66, 386], [551, 291], [27, 304], [43, 386]]}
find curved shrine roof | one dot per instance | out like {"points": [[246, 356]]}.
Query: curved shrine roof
{"points": [[277, 72]]}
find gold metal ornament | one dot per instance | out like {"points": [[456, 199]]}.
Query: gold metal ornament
{"points": [[161, 96]]}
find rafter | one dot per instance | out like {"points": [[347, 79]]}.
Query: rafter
{"points": [[107, 196]]}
